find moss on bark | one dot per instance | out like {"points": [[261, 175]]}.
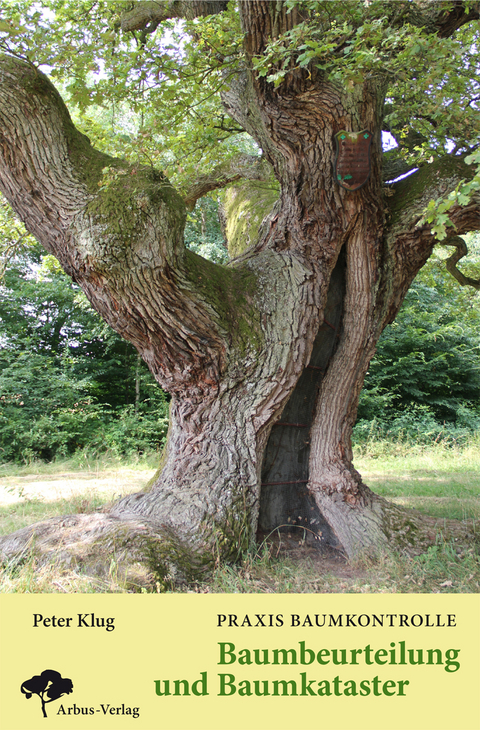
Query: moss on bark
{"points": [[245, 207], [231, 293], [414, 191]]}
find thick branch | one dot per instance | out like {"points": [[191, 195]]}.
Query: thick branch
{"points": [[441, 18], [455, 17], [241, 104], [393, 169], [42, 155], [246, 167], [147, 16], [451, 262], [394, 166], [410, 242], [435, 180], [116, 229]]}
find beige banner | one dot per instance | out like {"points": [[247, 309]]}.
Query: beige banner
{"points": [[240, 662]]}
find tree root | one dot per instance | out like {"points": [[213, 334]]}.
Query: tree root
{"points": [[137, 550], [141, 553], [374, 524]]}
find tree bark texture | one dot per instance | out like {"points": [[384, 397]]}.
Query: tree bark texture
{"points": [[272, 349]]}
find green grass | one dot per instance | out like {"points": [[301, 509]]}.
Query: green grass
{"points": [[444, 568], [82, 463], [15, 517], [439, 480], [100, 481], [23, 575]]}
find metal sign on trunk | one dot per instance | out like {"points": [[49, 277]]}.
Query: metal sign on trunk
{"points": [[352, 162]]}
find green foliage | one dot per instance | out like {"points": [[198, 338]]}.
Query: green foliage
{"points": [[45, 413], [67, 381], [430, 80], [427, 480], [42, 413], [14, 238], [155, 97], [152, 98], [424, 382], [436, 211], [203, 234], [129, 431]]}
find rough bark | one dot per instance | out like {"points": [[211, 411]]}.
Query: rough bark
{"points": [[382, 255], [440, 18], [228, 344], [452, 261], [232, 344]]}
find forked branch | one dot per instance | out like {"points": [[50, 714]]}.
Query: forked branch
{"points": [[247, 167]]}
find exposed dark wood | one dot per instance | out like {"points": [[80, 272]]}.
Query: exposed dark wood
{"points": [[285, 472]]}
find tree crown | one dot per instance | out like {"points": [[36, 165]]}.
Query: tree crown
{"points": [[169, 72]]}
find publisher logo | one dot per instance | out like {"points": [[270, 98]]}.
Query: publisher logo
{"points": [[49, 686]]}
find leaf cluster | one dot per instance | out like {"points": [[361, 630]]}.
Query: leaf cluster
{"points": [[431, 82], [150, 98], [155, 97], [437, 211], [203, 233]]}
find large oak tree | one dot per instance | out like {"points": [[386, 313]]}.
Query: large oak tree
{"points": [[265, 357]]}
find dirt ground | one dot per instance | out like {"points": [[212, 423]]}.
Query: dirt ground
{"points": [[67, 485]]}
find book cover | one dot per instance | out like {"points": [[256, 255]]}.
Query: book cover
{"points": [[240, 661]]}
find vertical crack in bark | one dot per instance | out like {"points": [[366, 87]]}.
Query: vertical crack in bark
{"points": [[285, 499]]}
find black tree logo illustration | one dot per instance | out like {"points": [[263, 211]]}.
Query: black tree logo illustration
{"points": [[49, 686]]}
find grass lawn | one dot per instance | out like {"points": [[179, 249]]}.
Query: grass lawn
{"points": [[439, 481], [38, 491]]}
